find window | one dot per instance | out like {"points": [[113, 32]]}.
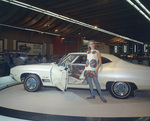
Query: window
{"points": [[105, 60], [69, 59], [81, 59]]}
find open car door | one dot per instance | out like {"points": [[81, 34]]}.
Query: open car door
{"points": [[59, 77]]}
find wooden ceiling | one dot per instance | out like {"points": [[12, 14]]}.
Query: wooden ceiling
{"points": [[116, 16]]}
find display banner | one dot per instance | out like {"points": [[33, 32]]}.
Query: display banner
{"points": [[135, 48], [30, 48], [146, 48], [116, 49], [125, 49], [1, 45]]}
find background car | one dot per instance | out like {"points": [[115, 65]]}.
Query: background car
{"points": [[121, 78]]}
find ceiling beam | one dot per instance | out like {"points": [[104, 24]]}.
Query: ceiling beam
{"points": [[37, 9]]}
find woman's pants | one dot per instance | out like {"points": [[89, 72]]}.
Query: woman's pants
{"points": [[89, 79]]}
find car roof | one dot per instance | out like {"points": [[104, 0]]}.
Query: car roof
{"points": [[109, 56]]}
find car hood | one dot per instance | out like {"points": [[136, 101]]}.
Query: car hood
{"points": [[34, 66]]}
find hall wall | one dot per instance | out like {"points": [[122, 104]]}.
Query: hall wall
{"points": [[61, 47], [10, 34]]}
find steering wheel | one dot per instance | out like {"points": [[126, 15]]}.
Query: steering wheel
{"points": [[69, 66]]}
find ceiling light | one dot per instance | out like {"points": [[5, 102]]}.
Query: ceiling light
{"points": [[56, 30], [62, 38], [137, 8], [30, 7], [95, 27], [46, 25], [28, 29], [143, 6]]}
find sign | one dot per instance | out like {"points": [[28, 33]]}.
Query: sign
{"points": [[30, 48], [1, 45], [146, 48], [135, 48], [116, 49], [125, 49], [68, 41]]}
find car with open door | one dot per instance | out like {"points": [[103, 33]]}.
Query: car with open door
{"points": [[121, 78]]}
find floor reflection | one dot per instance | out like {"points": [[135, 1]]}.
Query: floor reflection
{"points": [[46, 117]]}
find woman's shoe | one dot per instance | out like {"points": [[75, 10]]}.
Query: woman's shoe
{"points": [[105, 101], [90, 97]]}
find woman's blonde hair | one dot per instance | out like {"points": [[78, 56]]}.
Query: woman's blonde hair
{"points": [[89, 48]]}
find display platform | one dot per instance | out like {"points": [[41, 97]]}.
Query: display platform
{"points": [[7, 81], [73, 102]]}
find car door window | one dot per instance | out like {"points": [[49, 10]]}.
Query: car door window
{"points": [[105, 60], [69, 59], [80, 60], [78, 66]]}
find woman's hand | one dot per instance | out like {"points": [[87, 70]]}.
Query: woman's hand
{"points": [[96, 71], [100, 61]]}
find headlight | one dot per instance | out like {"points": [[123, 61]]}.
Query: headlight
{"points": [[11, 75]]}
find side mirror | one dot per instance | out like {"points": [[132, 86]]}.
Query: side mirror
{"points": [[57, 62], [66, 68]]}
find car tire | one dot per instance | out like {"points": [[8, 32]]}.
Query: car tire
{"points": [[120, 90], [32, 83]]}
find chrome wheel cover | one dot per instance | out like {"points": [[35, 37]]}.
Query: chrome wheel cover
{"points": [[121, 88], [31, 83]]}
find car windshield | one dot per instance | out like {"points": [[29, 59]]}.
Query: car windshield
{"points": [[67, 59], [62, 59]]}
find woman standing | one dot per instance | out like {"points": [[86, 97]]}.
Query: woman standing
{"points": [[91, 69]]}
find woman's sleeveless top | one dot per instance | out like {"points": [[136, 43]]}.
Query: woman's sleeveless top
{"points": [[91, 63]]}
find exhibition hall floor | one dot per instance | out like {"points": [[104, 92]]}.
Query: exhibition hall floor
{"points": [[73, 102]]}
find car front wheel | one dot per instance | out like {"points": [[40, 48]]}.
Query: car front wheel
{"points": [[121, 90], [32, 83]]}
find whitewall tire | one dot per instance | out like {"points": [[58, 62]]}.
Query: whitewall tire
{"points": [[121, 90], [32, 83]]}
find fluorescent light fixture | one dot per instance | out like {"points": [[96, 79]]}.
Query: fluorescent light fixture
{"points": [[62, 38], [29, 29], [143, 6], [56, 30], [137, 8], [95, 27], [30, 7]]}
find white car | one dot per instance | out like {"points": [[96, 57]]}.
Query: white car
{"points": [[121, 78]]}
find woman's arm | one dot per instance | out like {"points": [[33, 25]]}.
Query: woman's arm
{"points": [[100, 61]]}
